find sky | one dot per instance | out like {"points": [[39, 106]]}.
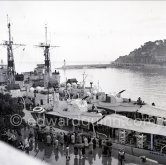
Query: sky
{"points": [[86, 31]]}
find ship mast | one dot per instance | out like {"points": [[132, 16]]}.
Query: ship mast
{"points": [[10, 58], [47, 63]]}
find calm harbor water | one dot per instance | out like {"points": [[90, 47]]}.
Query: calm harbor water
{"points": [[149, 84]]}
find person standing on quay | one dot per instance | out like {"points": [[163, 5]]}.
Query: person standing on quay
{"points": [[91, 146], [56, 143], [75, 150], [67, 153], [54, 139], [73, 139], [48, 139], [86, 142], [121, 156], [26, 146], [83, 151]]}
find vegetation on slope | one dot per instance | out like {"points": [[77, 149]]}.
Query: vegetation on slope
{"points": [[149, 53]]}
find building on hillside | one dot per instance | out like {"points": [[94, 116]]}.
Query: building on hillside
{"points": [[160, 59]]}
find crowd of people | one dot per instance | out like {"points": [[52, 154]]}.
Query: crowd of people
{"points": [[15, 138], [83, 144]]}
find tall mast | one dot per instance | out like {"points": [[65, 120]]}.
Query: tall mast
{"points": [[47, 64], [47, 61], [46, 34], [10, 58]]}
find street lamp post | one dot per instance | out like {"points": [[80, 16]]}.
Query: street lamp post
{"points": [[84, 78], [91, 84]]}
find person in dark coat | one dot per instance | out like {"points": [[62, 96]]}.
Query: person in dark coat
{"points": [[121, 156], [100, 143], [65, 139], [109, 144], [89, 139], [94, 143], [75, 150], [93, 107], [105, 150], [83, 151], [30, 135]]}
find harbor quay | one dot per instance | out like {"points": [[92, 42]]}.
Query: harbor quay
{"points": [[63, 144], [64, 148]]}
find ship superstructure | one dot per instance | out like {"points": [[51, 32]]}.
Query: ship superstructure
{"points": [[41, 83]]}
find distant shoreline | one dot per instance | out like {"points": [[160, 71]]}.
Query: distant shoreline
{"points": [[114, 65], [137, 65]]}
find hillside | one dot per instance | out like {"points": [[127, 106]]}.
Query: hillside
{"points": [[149, 53]]}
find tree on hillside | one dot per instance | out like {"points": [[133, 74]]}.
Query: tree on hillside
{"points": [[149, 53]]}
